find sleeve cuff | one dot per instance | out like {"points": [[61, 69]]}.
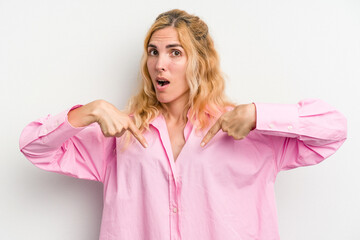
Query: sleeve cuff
{"points": [[277, 119], [53, 122]]}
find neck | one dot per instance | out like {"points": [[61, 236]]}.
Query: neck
{"points": [[175, 112]]}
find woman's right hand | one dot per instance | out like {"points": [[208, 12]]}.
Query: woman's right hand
{"points": [[113, 123]]}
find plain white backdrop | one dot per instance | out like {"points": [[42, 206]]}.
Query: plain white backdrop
{"points": [[55, 54]]}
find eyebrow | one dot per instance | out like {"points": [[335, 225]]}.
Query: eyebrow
{"points": [[167, 46]]}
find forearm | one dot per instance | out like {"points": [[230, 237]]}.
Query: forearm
{"points": [[53, 144], [301, 134], [47, 134], [311, 120]]}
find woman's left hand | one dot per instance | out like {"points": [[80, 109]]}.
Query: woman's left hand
{"points": [[237, 123]]}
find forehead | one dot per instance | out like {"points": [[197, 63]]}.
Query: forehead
{"points": [[168, 34]]}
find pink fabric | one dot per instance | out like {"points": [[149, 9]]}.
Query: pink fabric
{"points": [[222, 191]]}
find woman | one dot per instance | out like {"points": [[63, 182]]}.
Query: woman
{"points": [[183, 178]]}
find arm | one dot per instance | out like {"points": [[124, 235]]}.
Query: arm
{"points": [[78, 142], [53, 144], [301, 134]]}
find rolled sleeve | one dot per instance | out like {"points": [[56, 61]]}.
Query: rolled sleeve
{"points": [[277, 119], [301, 134], [45, 127], [53, 144]]}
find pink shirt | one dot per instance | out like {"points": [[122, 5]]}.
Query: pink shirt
{"points": [[224, 191]]}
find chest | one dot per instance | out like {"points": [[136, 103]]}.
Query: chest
{"points": [[228, 162], [177, 140]]}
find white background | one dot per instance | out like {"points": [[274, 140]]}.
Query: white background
{"points": [[55, 54]]}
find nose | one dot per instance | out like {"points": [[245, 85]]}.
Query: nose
{"points": [[161, 63]]}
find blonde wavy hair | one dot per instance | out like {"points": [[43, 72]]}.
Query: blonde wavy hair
{"points": [[207, 100]]}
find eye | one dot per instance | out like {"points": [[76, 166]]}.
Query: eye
{"points": [[153, 52], [176, 53]]}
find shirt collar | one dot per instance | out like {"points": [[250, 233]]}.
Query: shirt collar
{"points": [[158, 122]]}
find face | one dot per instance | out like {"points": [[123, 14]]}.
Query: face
{"points": [[167, 63]]}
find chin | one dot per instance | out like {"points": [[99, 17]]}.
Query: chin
{"points": [[163, 100], [168, 98]]}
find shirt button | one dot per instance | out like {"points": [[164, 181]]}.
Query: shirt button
{"points": [[175, 210], [290, 127], [271, 125]]}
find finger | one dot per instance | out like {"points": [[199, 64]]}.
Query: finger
{"points": [[135, 131], [211, 133], [119, 134]]}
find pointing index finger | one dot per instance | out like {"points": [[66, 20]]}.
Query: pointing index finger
{"points": [[135, 131], [211, 133]]}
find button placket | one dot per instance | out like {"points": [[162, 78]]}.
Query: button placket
{"points": [[174, 179], [174, 207], [174, 211]]}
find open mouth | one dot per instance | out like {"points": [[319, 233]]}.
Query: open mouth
{"points": [[162, 82]]}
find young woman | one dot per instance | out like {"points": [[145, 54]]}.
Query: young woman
{"points": [[167, 169]]}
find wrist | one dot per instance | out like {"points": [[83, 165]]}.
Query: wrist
{"points": [[247, 112], [84, 115], [94, 111]]}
